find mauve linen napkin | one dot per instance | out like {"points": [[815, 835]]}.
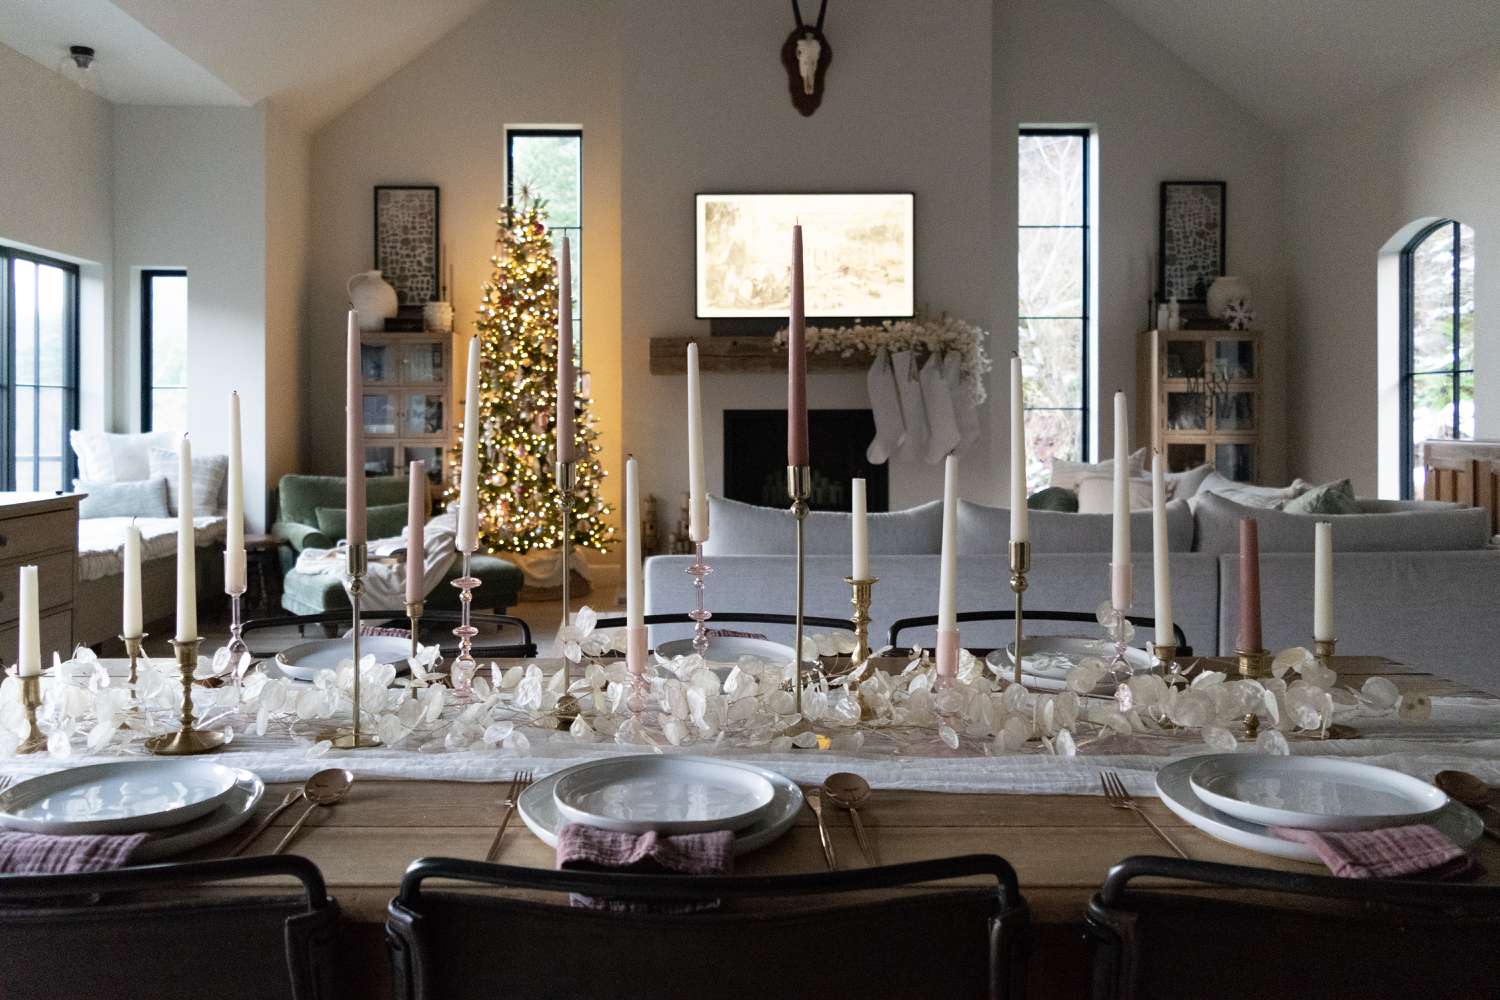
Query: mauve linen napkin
{"points": [[590, 849], [1391, 852], [43, 854]]}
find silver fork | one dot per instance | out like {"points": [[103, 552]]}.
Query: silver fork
{"points": [[518, 784], [1116, 795]]}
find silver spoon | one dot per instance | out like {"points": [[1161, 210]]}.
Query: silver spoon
{"points": [[849, 791], [1470, 790], [322, 789]]}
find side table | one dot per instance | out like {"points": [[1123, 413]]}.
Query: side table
{"points": [[263, 573]]}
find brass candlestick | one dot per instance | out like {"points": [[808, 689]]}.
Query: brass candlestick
{"points": [[861, 602], [799, 487], [414, 611], [187, 739], [354, 738], [133, 645], [1165, 654], [1253, 662], [1020, 565], [31, 699], [1323, 649]]}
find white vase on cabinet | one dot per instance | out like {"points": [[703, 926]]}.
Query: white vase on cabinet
{"points": [[1225, 290], [373, 299]]}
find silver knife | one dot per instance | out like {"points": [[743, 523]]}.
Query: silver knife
{"points": [[815, 802]]}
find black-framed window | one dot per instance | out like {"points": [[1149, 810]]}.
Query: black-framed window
{"points": [[548, 163], [1054, 275], [39, 308], [1437, 343], [164, 344]]}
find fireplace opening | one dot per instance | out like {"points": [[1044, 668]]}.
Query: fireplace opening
{"points": [[755, 458]]}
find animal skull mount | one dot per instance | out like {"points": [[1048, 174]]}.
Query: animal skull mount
{"points": [[806, 55]]}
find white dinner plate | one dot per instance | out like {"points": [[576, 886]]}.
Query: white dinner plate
{"points": [[726, 650], [667, 794], [1313, 793], [538, 809], [1048, 658], [236, 808], [1174, 783], [118, 797], [304, 661]]}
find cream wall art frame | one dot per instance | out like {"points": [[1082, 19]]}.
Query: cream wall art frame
{"points": [[857, 254]]}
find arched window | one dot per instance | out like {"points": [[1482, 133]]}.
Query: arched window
{"points": [[1437, 343]]}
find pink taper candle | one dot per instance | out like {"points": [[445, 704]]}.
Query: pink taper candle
{"points": [[796, 364], [1250, 640], [416, 531], [354, 447], [566, 378]]}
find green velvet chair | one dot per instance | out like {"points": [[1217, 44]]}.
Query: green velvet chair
{"points": [[298, 500]]}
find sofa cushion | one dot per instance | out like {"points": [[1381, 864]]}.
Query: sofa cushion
{"points": [[1330, 498], [1218, 520], [384, 521], [1096, 494], [115, 458], [986, 530], [208, 478], [140, 498], [742, 529], [1067, 474], [298, 497], [1187, 484], [1054, 498], [1249, 495]]}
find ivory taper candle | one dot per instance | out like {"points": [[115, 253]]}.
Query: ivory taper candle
{"points": [[1161, 570], [859, 531], [948, 562], [468, 473], [416, 531], [1119, 575], [234, 515], [28, 627], [697, 492], [634, 614], [1323, 582], [796, 364], [187, 569], [566, 376], [354, 447], [130, 605], [1020, 521]]}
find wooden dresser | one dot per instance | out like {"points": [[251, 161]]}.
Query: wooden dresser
{"points": [[41, 530], [1466, 472]]}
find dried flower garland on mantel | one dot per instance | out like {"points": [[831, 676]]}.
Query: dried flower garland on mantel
{"points": [[943, 335]]}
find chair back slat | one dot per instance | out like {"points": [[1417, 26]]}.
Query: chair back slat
{"points": [[1141, 622]]}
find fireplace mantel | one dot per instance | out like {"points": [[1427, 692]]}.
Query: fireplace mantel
{"points": [[742, 354]]}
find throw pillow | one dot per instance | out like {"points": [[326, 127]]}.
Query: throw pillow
{"points": [[208, 478], [1218, 523], [385, 521], [142, 498], [116, 458], [985, 531], [742, 529], [1068, 474], [1096, 494], [1186, 484], [1330, 498], [1246, 495], [1054, 498]]}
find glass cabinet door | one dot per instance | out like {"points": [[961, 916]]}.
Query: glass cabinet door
{"points": [[1235, 460], [1182, 457], [422, 363], [1235, 411], [377, 363], [1185, 358], [1187, 411], [433, 456], [380, 413], [1235, 358], [424, 413], [380, 460]]}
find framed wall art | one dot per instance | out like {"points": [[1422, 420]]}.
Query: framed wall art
{"points": [[406, 240], [1192, 239]]}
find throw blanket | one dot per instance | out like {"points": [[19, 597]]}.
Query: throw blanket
{"points": [[101, 541], [385, 581]]}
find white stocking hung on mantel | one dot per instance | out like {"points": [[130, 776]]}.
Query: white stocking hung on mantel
{"points": [[942, 424], [885, 405], [964, 407], [904, 366]]}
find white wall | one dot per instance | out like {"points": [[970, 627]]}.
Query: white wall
{"points": [[1427, 150], [288, 177], [1079, 62], [190, 192], [55, 198]]}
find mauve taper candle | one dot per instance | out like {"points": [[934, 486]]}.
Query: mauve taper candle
{"points": [[566, 451], [796, 364], [354, 446], [1249, 640], [416, 531]]}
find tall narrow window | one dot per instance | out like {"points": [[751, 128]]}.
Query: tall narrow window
{"points": [[39, 297], [1437, 343], [164, 350], [1054, 276], [548, 164]]}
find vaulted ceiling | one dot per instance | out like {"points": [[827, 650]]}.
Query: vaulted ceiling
{"points": [[1288, 61]]}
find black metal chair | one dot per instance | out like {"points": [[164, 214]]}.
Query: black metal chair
{"points": [[865, 934], [928, 621], [150, 931], [436, 626], [737, 617], [1367, 938]]}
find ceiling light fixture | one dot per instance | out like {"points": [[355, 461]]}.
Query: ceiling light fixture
{"points": [[79, 66]]}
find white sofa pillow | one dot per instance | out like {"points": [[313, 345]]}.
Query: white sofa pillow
{"points": [[1069, 474], [209, 472], [116, 458], [1247, 495], [1096, 494]]}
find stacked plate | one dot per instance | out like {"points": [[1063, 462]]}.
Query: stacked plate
{"points": [[304, 661], [1238, 797], [669, 794], [179, 804], [1048, 659]]}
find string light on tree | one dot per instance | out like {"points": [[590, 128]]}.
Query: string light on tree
{"points": [[519, 507]]}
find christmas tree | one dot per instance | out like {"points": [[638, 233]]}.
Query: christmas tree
{"points": [[519, 507]]}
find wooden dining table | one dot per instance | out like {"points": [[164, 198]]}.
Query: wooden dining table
{"points": [[1060, 845]]}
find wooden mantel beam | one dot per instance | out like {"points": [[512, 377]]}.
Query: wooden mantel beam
{"points": [[741, 354]]}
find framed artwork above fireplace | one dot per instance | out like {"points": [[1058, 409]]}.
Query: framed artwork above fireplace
{"points": [[857, 255]]}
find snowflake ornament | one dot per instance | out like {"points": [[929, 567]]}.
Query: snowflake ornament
{"points": [[1240, 314]]}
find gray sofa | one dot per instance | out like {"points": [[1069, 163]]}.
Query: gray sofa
{"points": [[1416, 582]]}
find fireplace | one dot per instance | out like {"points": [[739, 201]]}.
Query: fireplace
{"points": [[755, 458]]}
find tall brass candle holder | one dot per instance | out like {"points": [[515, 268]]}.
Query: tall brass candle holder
{"points": [[861, 601], [1020, 565], [133, 644], [1323, 650], [414, 611], [799, 487], [700, 614], [1253, 662], [187, 739], [355, 738], [31, 700]]}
